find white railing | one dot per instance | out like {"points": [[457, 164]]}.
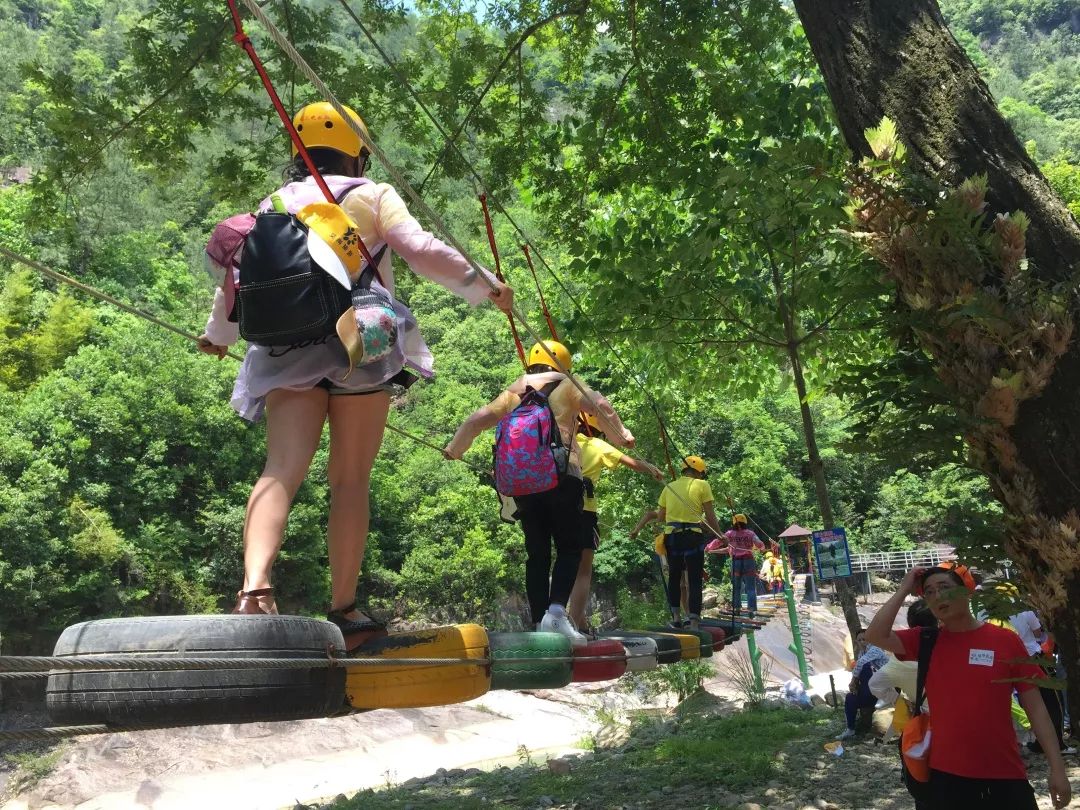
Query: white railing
{"points": [[901, 560]]}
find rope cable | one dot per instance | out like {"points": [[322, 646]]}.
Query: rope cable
{"points": [[102, 296], [540, 292], [47, 664], [499, 275]]}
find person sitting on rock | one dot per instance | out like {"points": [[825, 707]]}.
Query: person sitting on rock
{"points": [[859, 696]]}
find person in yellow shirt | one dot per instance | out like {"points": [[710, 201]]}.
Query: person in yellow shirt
{"points": [[685, 504], [773, 573], [596, 456]]}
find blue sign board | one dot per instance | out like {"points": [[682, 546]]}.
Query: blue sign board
{"points": [[832, 554]]}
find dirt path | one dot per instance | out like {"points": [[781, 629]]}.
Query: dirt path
{"points": [[262, 765]]}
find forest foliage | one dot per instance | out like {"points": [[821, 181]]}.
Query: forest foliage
{"points": [[679, 170]]}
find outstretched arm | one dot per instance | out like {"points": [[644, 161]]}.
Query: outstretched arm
{"points": [[648, 517], [479, 421], [643, 467]]}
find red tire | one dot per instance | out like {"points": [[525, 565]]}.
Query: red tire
{"points": [[718, 635], [587, 671]]}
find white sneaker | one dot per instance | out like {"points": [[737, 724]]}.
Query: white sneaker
{"points": [[564, 625], [846, 734], [1068, 751]]}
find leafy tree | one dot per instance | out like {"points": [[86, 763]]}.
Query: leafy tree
{"points": [[968, 276]]}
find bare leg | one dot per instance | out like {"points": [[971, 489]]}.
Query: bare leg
{"points": [[356, 430], [294, 421], [579, 596]]}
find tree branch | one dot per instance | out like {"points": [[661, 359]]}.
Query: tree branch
{"points": [[522, 38]]}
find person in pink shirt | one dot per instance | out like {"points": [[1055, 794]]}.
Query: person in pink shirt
{"points": [[742, 543], [301, 387]]}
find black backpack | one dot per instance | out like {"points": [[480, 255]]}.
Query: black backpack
{"points": [[284, 297]]}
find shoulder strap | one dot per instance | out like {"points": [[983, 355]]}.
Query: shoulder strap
{"points": [[927, 640], [540, 397]]}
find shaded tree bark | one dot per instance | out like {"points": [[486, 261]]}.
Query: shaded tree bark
{"points": [[898, 59]]}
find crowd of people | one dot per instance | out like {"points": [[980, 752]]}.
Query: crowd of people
{"points": [[345, 375], [554, 439]]}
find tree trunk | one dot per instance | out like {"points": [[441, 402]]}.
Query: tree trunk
{"points": [[898, 59], [817, 469]]}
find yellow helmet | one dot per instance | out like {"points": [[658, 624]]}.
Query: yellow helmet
{"points": [[659, 544], [696, 463], [321, 126], [539, 356], [738, 519], [592, 421]]}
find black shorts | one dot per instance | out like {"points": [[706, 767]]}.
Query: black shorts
{"points": [[590, 536], [403, 379], [951, 792]]}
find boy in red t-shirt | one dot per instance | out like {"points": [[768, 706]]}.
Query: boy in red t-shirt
{"points": [[974, 758]]}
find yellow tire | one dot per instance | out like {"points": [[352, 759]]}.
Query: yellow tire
{"points": [[691, 645], [412, 687]]}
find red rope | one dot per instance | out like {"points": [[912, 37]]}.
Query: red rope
{"points": [[667, 455], [244, 41], [499, 276], [543, 303]]}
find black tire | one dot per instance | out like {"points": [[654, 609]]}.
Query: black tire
{"points": [[732, 630], [542, 673], [193, 697]]}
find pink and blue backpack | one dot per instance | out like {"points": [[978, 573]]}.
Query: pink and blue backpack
{"points": [[530, 457]]}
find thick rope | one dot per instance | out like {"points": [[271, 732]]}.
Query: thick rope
{"points": [[499, 275], [44, 665], [540, 292], [98, 294]]}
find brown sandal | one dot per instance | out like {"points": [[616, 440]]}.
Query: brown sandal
{"points": [[259, 602]]}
